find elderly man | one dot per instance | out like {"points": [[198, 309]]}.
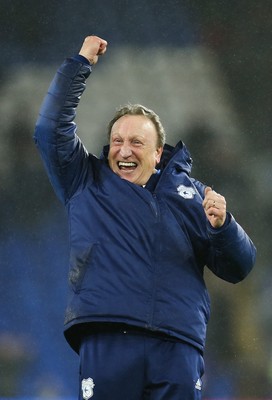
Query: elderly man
{"points": [[141, 232]]}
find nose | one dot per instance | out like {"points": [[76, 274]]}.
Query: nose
{"points": [[125, 151]]}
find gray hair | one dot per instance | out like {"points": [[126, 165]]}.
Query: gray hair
{"points": [[138, 109]]}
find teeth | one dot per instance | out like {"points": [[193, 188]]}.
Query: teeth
{"points": [[126, 164]]}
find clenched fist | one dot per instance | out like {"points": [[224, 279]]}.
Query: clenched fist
{"points": [[92, 48], [215, 207]]}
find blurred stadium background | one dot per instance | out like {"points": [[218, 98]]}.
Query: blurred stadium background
{"points": [[205, 68]]}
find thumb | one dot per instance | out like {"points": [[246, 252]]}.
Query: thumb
{"points": [[103, 47], [207, 190]]}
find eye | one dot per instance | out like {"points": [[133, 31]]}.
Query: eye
{"points": [[116, 140], [137, 142]]}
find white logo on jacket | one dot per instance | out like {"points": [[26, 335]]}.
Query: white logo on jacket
{"points": [[187, 192], [87, 386], [198, 384]]}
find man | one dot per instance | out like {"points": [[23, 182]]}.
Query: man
{"points": [[141, 232]]}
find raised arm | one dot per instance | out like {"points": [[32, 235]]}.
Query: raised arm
{"points": [[62, 151]]}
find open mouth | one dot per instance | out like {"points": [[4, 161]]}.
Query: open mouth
{"points": [[123, 165]]}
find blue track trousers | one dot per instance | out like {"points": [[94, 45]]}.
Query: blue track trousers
{"points": [[129, 365]]}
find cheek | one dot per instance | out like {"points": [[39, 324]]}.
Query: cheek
{"points": [[151, 163], [110, 156], [111, 163]]}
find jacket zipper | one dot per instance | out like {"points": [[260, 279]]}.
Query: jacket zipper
{"points": [[155, 208]]}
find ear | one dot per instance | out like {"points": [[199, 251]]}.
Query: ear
{"points": [[158, 154]]}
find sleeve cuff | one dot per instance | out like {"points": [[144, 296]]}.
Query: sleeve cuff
{"points": [[213, 230], [81, 59]]}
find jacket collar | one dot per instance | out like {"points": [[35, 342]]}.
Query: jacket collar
{"points": [[178, 156]]}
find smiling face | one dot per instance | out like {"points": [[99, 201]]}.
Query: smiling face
{"points": [[134, 151]]}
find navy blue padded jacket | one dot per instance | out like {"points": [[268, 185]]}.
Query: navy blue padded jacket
{"points": [[137, 254]]}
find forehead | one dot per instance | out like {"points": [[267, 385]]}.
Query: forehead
{"points": [[134, 125]]}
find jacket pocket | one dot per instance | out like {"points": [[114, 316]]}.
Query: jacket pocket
{"points": [[79, 262]]}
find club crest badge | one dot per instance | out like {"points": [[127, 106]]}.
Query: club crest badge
{"points": [[187, 192], [198, 384], [87, 386]]}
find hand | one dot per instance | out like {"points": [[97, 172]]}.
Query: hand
{"points": [[92, 47], [215, 207]]}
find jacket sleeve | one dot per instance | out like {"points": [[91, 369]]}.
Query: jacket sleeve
{"points": [[231, 254], [64, 156]]}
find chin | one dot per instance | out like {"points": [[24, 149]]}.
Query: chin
{"points": [[129, 179]]}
